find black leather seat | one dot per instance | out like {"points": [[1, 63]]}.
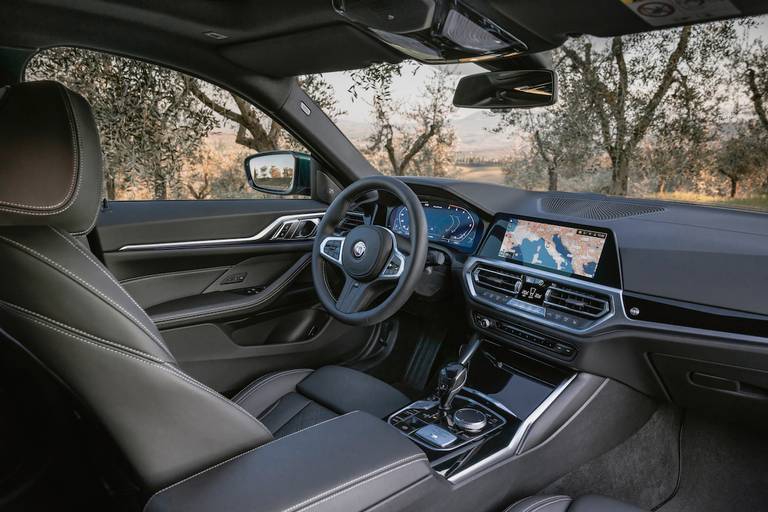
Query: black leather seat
{"points": [[62, 307], [555, 503], [286, 402]]}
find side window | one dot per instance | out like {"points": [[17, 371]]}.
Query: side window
{"points": [[165, 135]]}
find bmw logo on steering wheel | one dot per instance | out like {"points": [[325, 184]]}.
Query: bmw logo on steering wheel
{"points": [[359, 249]]}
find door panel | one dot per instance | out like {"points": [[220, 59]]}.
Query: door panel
{"points": [[229, 310], [124, 223]]}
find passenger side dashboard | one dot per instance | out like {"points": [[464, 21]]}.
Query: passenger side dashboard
{"points": [[678, 311]]}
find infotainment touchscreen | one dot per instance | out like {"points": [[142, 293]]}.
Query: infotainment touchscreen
{"points": [[575, 251]]}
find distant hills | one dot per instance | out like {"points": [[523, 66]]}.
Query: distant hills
{"points": [[472, 131]]}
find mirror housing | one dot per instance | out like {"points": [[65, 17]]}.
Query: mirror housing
{"points": [[283, 173], [507, 89]]}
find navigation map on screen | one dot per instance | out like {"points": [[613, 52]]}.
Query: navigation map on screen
{"points": [[566, 249]]}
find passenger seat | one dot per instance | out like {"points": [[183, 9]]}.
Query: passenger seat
{"points": [[551, 503]]}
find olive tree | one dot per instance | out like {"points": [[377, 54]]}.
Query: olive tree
{"points": [[629, 79], [150, 124]]}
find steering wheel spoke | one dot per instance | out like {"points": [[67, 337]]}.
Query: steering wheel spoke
{"points": [[331, 247], [394, 266], [354, 296]]}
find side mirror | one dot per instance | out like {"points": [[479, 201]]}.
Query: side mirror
{"points": [[279, 172], [507, 89]]}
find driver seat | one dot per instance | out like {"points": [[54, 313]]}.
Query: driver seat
{"points": [[61, 308]]}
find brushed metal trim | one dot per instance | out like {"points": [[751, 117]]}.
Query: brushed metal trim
{"points": [[224, 241]]}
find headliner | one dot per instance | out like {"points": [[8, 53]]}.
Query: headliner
{"points": [[281, 38]]}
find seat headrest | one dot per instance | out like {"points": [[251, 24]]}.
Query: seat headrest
{"points": [[50, 158]]}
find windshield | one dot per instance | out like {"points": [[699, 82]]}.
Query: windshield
{"points": [[677, 114]]}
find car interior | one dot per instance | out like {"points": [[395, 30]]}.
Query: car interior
{"points": [[329, 350]]}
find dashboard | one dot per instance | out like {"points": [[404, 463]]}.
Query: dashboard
{"points": [[667, 298], [447, 223]]}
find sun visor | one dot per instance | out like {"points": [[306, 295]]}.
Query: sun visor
{"points": [[335, 47]]}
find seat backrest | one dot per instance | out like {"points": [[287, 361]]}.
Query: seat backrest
{"points": [[65, 308]]}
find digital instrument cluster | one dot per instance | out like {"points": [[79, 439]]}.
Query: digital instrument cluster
{"points": [[447, 223]]}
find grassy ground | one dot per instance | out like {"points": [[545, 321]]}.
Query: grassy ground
{"points": [[754, 202], [495, 174], [486, 174]]}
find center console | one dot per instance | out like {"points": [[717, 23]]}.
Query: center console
{"points": [[482, 409]]}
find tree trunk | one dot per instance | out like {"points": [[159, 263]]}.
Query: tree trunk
{"points": [[734, 184], [661, 185], [160, 187], [111, 187], [620, 176], [552, 175]]}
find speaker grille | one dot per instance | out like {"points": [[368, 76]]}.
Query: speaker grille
{"points": [[596, 209]]}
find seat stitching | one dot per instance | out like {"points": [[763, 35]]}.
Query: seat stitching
{"points": [[357, 482], [75, 277], [299, 266], [294, 416], [259, 383], [264, 414], [232, 459], [542, 502], [76, 177], [84, 333], [245, 392], [215, 393], [162, 366], [109, 276], [558, 499]]}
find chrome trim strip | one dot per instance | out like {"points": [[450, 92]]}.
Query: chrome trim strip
{"points": [[325, 241], [614, 294], [515, 445], [224, 241]]}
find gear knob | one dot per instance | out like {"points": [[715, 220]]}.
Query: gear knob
{"points": [[450, 380]]}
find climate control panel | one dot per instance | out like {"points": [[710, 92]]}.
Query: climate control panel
{"points": [[548, 299]]}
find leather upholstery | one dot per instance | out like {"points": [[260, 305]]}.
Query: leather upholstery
{"points": [[350, 463], [289, 401], [590, 503], [64, 308], [51, 172]]}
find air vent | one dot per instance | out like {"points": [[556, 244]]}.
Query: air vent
{"points": [[595, 209], [578, 302], [502, 281], [351, 220]]}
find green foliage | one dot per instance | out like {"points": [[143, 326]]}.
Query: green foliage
{"points": [[150, 124]]}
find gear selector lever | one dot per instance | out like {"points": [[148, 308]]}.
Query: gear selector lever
{"points": [[451, 379], [453, 376]]}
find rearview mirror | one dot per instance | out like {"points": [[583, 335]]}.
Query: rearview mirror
{"points": [[279, 172], [507, 89]]}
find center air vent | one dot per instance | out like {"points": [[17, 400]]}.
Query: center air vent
{"points": [[577, 302], [351, 220], [499, 280], [595, 209]]}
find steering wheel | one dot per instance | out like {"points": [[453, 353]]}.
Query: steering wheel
{"points": [[368, 256]]}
